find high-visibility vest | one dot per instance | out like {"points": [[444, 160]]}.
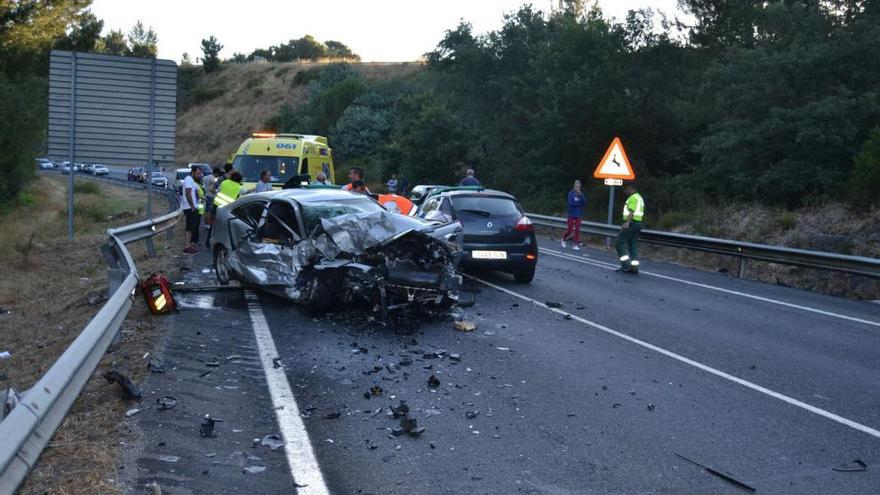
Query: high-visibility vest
{"points": [[636, 205], [200, 193], [396, 203], [228, 192]]}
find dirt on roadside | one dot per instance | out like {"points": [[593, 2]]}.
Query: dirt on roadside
{"points": [[50, 290]]}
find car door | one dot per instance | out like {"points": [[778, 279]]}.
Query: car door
{"points": [[266, 252]]}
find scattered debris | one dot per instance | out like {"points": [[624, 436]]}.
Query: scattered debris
{"points": [[276, 363], [433, 382], [401, 410], [465, 326], [254, 469], [202, 375], [503, 348], [234, 357], [376, 391], [128, 388], [455, 356], [169, 458], [471, 414], [650, 406], [274, 442], [154, 488], [5, 355], [132, 412], [156, 366], [405, 361], [616, 405], [553, 304], [333, 415], [212, 364], [852, 466], [206, 429], [727, 477], [166, 402]]}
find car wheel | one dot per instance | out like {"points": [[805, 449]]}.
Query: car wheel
{"points": [[525, 275], [221, 264]]}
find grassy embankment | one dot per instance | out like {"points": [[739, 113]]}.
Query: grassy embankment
{"points": [[52, 287]]}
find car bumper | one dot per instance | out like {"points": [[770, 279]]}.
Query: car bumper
{"points": [[519, 256]]}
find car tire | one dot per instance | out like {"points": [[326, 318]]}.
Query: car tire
{"points": [[525, 275], [221, 265]]}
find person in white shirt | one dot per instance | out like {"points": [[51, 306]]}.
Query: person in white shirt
{"points": [[264, 185], [190, 193]]}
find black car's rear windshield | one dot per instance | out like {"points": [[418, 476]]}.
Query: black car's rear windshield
{"points": [[313, 212], [484, 206]]}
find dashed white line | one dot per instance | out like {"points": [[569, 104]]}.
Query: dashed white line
{"points": [[609, 266], [696, 364], [300, 457]]}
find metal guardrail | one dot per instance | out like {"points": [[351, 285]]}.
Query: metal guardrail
{"points": [[859, 265], [25, 432]]}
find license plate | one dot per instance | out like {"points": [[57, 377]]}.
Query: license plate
{"points": [[489, 255]]}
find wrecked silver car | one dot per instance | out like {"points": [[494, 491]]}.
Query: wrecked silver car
{"points": [[329, 247]]}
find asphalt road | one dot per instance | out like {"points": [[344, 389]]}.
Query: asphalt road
{"points": [[602, 394]]}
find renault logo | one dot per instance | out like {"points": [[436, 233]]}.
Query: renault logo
{"points": [[489, 225]]}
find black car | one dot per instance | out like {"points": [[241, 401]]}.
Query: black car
{"points": [[497, 234], [137, 174]]}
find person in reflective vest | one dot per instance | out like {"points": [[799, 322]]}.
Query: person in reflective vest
{"points": [[628, 238], [228, 191], [395, 203]]}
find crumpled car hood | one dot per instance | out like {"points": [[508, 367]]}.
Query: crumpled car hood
{"points": [[357, 232]]}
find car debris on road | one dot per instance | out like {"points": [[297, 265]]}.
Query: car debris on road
{"points": [[130, 391]]}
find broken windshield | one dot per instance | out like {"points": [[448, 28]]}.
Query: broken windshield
{"points": [[313, 212]]}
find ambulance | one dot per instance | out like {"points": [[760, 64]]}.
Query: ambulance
{"points": [[284, 156]]}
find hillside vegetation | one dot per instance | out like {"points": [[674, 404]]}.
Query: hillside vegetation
{"points": [[219, 110]]}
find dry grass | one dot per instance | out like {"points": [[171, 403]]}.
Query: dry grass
{"points": [[250, 94], [53, 287]]}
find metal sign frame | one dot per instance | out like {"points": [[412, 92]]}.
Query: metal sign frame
{"points": [[111, 110]]}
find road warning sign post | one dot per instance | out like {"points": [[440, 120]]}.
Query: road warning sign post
{"points": [[614, 168]]}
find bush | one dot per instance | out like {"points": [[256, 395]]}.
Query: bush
{"points": [[201, 95], [80, 187], [22, 131], [865, 182]]}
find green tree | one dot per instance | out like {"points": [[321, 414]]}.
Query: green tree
{"points": [[114, 43], [28, 29], [84, 36], [865, 181], [211, 50], [338, 50], [143, 41]]}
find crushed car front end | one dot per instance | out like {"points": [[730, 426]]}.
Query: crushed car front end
{"points": [[333, 249]]}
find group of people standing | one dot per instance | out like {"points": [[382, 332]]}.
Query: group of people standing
{"points": [[627, 243], [202, 194]]}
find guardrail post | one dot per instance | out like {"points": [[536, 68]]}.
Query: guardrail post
{"points": [[742, 266]]}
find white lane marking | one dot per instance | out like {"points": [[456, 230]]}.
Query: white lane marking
{"points": [[696, 364], [609, 266], [303, 466]]}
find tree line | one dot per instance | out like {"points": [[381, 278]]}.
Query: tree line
{"points": [[771, 101]]}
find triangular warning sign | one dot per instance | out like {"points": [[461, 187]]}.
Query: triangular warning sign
{"points": [[615, 164]]}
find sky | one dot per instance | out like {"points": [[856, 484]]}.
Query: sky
{"points": [[377, 30]]}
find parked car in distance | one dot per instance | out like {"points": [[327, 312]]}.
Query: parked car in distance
{"points": [[136, 174], [497, 233], [158, 179], [44, 163], [65, 168], [98, 169]]}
